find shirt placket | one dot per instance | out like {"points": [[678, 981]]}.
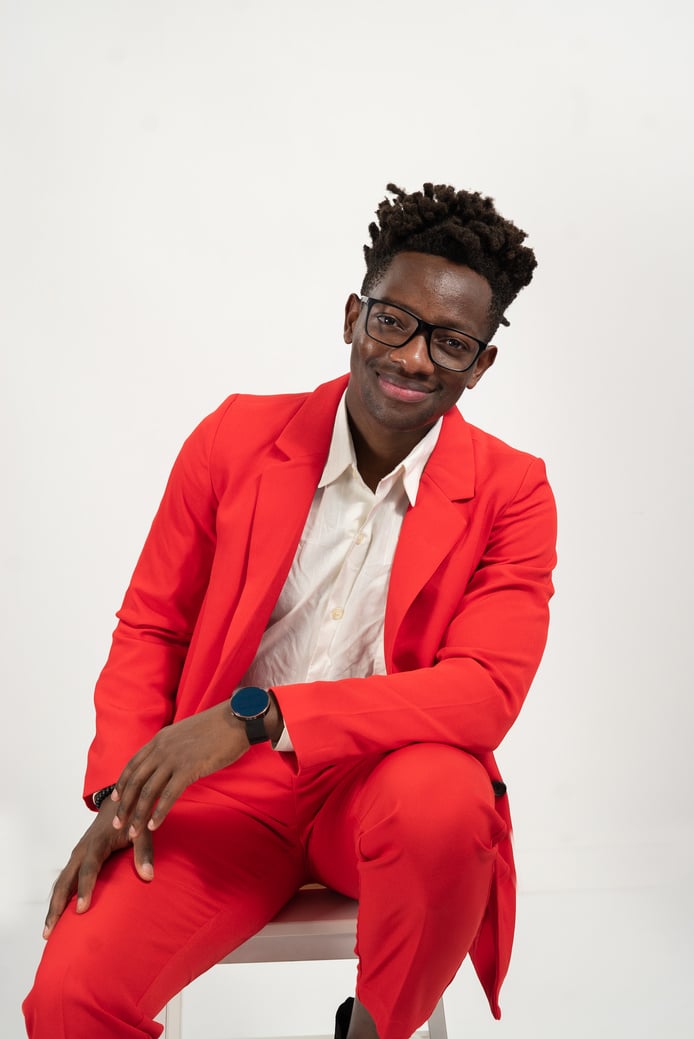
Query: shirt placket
{"points": [[358, 522]]}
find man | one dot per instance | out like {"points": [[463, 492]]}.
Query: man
{"points": [[369, 577]]}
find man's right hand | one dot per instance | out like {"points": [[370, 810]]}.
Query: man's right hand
{"points": [[82, 870]]}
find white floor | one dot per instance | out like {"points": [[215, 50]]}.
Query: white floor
{"points": [[606, 965]]}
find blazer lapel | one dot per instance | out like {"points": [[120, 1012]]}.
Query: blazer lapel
{"points": [[285, 492]]}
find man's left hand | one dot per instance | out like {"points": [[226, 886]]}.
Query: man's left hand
{"points": [[178, 755]]}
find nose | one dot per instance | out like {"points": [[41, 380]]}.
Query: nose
{"points": [[413, 357]]}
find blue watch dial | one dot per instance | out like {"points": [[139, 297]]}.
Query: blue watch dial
{"points": [[250, 702]]}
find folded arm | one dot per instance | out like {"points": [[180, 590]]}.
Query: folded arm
{"points": [[464, 687]]}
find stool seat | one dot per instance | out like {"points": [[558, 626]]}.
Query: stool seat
{"points": [[316, 924]]}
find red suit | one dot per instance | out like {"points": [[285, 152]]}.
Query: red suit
{"points": [[465, 627]]}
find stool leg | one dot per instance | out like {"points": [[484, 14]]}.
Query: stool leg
{"points": [[437, 1023], [173, 1016], [174, 1012]]}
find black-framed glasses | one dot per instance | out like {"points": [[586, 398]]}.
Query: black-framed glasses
{"points": [[394, 326]]}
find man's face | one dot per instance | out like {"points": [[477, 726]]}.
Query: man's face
{"points": [[400, 393]]}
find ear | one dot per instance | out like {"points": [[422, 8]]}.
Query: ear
{"points": [[484, 361], [352, 312]]}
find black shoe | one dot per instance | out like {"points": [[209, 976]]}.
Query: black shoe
{"points": [[343, 1017]]}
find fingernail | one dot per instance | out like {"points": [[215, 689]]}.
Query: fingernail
{"points": [[114, 795], [151, 825], [132, 833], [80, 905], [147, 870], [45, 932], [116, 823]]}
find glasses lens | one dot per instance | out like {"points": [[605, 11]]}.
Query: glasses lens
{"points": [[452, 349], [390, 325]]}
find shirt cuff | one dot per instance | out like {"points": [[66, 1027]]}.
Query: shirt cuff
{"points": [[284, 743]]}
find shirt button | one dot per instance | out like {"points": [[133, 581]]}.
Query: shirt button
{"points": [[360, 539], [337, 614]]}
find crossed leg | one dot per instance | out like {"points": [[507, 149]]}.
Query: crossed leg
{"points": [[413, 838]]}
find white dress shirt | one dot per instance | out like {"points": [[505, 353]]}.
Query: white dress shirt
{"points": [[328, 621]]}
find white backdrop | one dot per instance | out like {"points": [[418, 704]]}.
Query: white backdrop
{"points": [[176, 174]]}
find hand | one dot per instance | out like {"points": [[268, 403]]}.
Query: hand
{"points": [[178, 755], [98, 844]]}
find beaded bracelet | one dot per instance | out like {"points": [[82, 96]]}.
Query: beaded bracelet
{"points": [[101, 795]]}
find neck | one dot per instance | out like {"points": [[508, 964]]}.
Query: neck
{"points": [[376, 460]]}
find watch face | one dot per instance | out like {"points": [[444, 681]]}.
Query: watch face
{"points": [[250, 702]]}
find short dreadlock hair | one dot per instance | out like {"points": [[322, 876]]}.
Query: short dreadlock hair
{"points": [[460, 226]]}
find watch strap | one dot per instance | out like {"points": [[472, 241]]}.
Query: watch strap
{"points": [[255, 730]]}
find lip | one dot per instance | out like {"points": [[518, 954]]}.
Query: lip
{"points": [[401, 390]]}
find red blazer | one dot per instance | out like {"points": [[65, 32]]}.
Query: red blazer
{"points": [[466, 616]]}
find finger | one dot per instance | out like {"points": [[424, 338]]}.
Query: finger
{"points": [[86, 881], [128, 785], [143, 853], [90, 853], [149, 794], [139, 795], [168, 797], [63, 890]]}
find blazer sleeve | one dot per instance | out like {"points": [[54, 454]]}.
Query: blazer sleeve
{"points": [[135, 693], [466, 686]]}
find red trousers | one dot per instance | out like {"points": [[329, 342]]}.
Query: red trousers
{"points": [[411, 834]]}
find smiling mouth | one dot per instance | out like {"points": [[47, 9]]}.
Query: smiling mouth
{"points": [[401, 390]]}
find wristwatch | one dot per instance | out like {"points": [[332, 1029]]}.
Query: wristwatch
{"points": [[251, 704]]}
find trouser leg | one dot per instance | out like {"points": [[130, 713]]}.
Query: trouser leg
{"points": [[413, 838], [219, 876]]}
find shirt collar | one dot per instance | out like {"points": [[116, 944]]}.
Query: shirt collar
{"points": [[341, 455]]}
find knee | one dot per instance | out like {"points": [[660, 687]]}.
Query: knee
{"points": [[45, 1000], [59, 995], [71, 997], [432, 804]]}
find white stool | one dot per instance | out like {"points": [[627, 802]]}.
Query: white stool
{"points": [[316, 924]]}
